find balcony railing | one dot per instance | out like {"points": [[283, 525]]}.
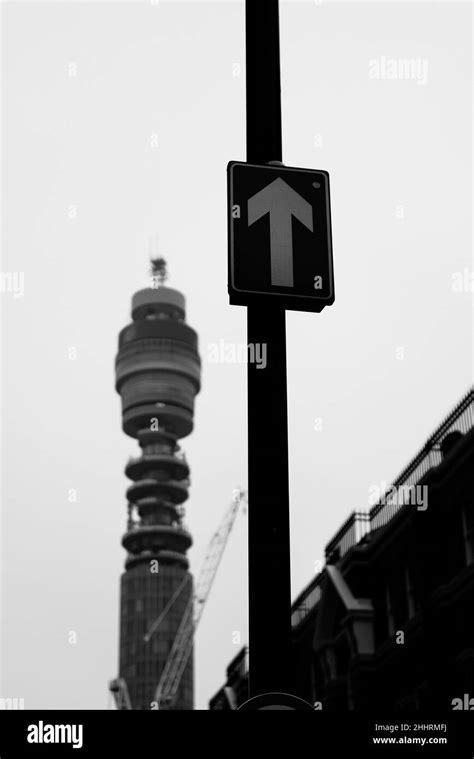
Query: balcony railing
{"points": [[361, 523], [153, 455]]}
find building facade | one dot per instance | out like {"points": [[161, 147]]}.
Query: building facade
{"points": [[157, 376], [388, 624]]}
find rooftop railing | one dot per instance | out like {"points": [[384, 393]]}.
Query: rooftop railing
{"points": [[361, 523], [306, 601], [461, 419]]}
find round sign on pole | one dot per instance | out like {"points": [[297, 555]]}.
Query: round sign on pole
{"points": [[277, 701]]}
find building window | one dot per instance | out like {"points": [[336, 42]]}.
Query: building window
{"points": [[468, 533], [390, 619], [411, 608]]}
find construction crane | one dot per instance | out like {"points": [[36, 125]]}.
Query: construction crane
{"points": [[119, 690], [183, 643]]}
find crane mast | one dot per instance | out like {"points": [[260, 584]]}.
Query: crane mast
{"points": [[119, 690], [183, 643]]}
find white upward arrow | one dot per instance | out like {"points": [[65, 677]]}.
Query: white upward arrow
{"points": [[281, 202]]}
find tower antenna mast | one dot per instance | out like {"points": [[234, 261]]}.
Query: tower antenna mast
{"points": [[158, 271]]}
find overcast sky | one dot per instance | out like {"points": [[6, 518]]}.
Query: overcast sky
{"points": [[118, 121]]}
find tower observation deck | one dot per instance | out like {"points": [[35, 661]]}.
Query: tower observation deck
{"points": [[158, 372]]}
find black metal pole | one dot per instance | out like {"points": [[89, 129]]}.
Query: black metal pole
{"points": [[268, 514]]}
